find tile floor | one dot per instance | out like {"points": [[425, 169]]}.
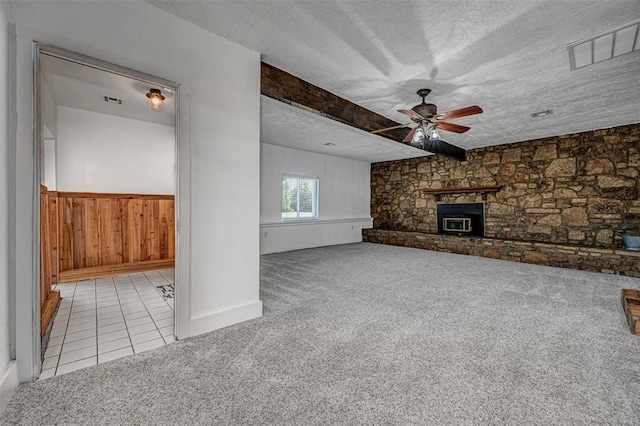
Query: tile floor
{"points": [[107, 318]]}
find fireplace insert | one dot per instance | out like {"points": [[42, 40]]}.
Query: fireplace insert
{"points": [[461, 219]]}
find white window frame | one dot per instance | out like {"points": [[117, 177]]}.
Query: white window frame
{"points": [[314, 198]]}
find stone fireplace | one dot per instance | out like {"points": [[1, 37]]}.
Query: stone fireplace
{"points": [[562, 201], [460, 219]]}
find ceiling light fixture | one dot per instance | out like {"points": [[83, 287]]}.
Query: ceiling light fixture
{"points": [[155, 98], [542, 113], [606, 45], [418, 136], [433, 134], [424, 132]]}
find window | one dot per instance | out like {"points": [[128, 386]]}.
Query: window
{"points": [[299, 198]]}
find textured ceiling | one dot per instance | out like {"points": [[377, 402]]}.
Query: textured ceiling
{"points": [[509, 57], [313, 133]]}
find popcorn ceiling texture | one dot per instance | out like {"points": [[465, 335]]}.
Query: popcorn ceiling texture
{"points": [[509, 57], [579, 189]]}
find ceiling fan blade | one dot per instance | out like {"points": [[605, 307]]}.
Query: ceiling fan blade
{"points": [[451, 127], [441, 147], [391, 128], [462, 112], [411, 114], [409, 136]]}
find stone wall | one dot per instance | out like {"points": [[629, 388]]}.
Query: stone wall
{"points": [[580, 189], [594, 259]]}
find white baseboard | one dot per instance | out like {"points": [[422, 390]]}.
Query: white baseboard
{"points": [[8, 384], [286, 236], [225, 318]]}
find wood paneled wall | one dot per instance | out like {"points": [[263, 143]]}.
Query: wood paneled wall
{"points": [[100, 234], [48, 265], [110, 229]]}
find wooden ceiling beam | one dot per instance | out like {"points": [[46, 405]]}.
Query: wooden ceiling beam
{"points": [[284, 87]]}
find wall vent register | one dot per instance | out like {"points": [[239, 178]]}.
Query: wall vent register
{"points": [[112, 100]]}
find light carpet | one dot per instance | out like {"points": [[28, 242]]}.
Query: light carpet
{"points": [[373, 334]]}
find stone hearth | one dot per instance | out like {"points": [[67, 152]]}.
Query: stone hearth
{"points": [[594, 259]]}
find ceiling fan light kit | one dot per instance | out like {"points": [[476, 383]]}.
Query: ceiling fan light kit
{"points": [[426, 134]]}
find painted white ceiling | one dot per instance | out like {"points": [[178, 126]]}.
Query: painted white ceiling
{"points": [[509, 57], [83, 87]]}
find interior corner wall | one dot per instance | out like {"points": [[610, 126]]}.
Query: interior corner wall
{"points": [[8, 372], [343, 200], [98, 152], [219, 134]]}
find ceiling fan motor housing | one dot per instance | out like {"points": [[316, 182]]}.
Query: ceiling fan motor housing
{"points": [[426, 110]]}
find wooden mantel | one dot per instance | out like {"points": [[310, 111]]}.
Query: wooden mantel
{"points": [[463, 190]]}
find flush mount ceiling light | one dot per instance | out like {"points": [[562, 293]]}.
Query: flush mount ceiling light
{"points": [[155, 98], [603, 46]]}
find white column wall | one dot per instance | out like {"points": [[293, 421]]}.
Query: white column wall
{"points": [[98, 152], [8, 370], [218, 268], [343, 200]]}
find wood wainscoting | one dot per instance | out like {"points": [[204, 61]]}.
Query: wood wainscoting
{"points": [[48, 257], [100, 234]]}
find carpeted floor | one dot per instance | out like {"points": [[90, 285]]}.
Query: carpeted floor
{"points": [[374, 334]]}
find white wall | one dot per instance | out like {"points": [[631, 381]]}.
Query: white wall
{"points": [[49, 131], [343, 200], [8, 370], [219, 104], [104, 153], [48, 110], [48, 164]]}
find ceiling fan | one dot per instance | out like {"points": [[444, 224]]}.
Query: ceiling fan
{"points": [[425, 135]]}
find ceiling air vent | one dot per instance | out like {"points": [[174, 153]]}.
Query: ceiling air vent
{"points": [[542, 113], [603, 46], [112, 100]]}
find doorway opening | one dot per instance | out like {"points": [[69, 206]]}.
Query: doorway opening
{"points": [[107, 168]]}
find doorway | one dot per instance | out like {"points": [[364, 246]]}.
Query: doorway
{"points": [[108, 173]]}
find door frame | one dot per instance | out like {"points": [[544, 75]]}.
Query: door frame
{"points": [[181, 202]]}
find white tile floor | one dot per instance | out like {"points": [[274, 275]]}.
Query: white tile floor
{"points": [[107, 318]]}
